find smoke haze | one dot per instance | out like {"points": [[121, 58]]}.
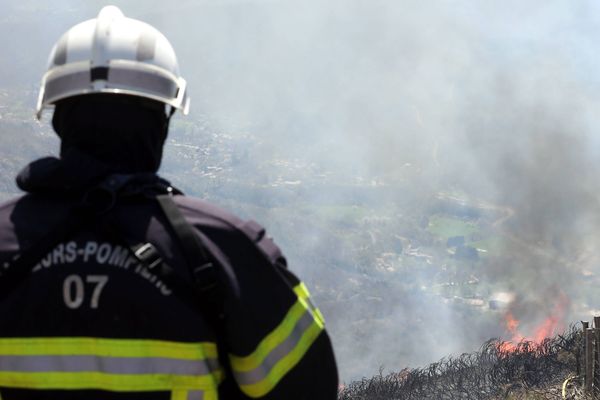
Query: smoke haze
{"points": [[497, 100]]}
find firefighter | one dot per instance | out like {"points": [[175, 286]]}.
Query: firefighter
{"points": [[114, 285]]}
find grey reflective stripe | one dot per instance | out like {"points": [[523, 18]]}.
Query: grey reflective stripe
{"points": [[67, 83], [109, 365], [152, 82], [78, 82], [311, 305], [193, 395], [259, 373]]}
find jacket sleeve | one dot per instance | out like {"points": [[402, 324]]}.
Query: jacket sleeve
{"points": [[276, 340]]}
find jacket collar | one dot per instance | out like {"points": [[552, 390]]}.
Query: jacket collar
{"points": [[73, 173]]}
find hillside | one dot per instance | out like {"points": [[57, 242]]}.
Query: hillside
{"points": [[528, 372]]}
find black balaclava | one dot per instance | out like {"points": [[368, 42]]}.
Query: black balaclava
{"points": [[126, 133]]}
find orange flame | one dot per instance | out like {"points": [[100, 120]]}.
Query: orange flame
{"points": [[512, 324], [550, 326]]}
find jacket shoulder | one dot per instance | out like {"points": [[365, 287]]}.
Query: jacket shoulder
{"points": [[203, 213], [213, 219]]}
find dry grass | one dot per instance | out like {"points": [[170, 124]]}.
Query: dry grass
{"points": [[528, 372]]}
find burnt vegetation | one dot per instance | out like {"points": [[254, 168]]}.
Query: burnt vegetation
{"points": [[499, 370]]}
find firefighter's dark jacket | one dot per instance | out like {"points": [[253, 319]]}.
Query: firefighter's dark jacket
{"points": [[91, 322]]}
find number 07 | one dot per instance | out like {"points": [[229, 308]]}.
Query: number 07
{"points": [[74, 290]]}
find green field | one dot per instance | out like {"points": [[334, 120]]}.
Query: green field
{"points": [[492, 245], [446, 227]]}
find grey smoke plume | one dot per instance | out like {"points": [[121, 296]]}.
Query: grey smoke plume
{"points": [[494, 99]]}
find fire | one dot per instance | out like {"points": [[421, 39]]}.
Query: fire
{"points": [[550, 326], [547, 328], [512, 324]]}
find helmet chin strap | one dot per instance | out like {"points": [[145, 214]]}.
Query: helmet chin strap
{"points": [[169, 112]]}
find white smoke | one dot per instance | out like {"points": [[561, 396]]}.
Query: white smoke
{"points": [[497, 98]]}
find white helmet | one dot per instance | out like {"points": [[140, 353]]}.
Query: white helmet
{"points": [[113, 54]]}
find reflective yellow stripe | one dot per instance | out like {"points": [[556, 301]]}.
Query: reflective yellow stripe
{"points": [[209, 395], [285, 365], [179, 394], [259, 372], [107, 348], [114, 382], [302, 292], [108, 364], [271, 341]]}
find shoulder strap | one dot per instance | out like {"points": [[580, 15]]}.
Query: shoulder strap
{"points": [[203, 291], [147, 255], [201, 264]]}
